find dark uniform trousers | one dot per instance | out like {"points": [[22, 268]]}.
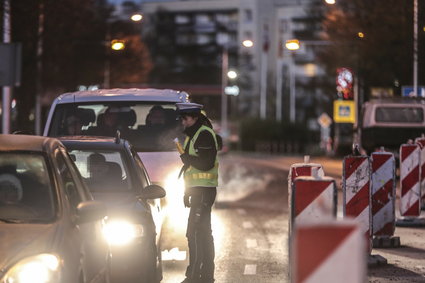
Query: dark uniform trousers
{"points": [[199, 235]]}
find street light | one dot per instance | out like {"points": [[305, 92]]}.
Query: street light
{"points": [[117, 44], [248, 43], [136, 17], [292, 44]]}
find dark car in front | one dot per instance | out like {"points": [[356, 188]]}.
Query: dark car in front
{"points": [[115, 175]]}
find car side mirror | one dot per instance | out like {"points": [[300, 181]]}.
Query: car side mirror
{"points": [[89, 211], [152, 192]]}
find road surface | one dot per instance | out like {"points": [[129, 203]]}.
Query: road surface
{"points": [[250, 226]]}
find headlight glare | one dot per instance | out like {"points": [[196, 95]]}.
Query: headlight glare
{"points": [[42, 268], [118, 232]]}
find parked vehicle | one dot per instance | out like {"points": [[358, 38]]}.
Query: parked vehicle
{"points": [[116, 175], [147, 118], [391, 122], [50, 226]]}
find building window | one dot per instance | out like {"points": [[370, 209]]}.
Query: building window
{"points": [[181, 19], [203, 19], [248, 15]]}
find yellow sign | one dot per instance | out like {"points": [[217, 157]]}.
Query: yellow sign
{"points": [[344, 111]]}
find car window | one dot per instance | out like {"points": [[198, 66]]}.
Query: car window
{"points": [[26, 190], [148, 126], [399, 115], [103, 171], [67, 181]]}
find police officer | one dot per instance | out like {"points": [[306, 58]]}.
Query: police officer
{"points": [[201, 179]]}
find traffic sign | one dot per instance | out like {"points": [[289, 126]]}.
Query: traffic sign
{"points": [[324, 120], [344, 111], [407, 91]]}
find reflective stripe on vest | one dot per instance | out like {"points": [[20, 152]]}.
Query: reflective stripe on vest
{"points": [[194, 177]]}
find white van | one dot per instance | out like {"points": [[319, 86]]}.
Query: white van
{"points": [[132, 109], [391, 122]]}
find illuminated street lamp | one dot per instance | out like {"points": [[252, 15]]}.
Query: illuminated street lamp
{"points": [[292, 44], [117, 44], [136, 17], [330, 2], [231, 74], [248, 43]]}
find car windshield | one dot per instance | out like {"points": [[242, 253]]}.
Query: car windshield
{"points": [[148, 127], [103, 171], [399, 115], [26, 191]]}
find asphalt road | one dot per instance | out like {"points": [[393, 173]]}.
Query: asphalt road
{"points": [[250, 226]]}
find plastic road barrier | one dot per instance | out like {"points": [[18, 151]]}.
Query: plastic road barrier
{"points": [[312, 199], [410, 205], [383, 193], [304, 169], [421, 142], [356, 193], [330, 252]]}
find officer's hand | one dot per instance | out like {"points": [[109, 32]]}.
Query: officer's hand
{"points": [[185, 158], [186, 200]]}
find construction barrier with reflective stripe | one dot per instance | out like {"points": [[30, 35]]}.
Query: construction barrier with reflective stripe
{"points": [[312, 199], [330, 252], [383, 187], [421, 142], [410, 205], [356, 193]]}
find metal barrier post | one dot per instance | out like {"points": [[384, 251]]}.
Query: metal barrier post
{"points": [[410, 190], [383, 187]]}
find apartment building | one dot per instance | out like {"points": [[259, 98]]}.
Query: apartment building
{"points": [[187, 41]]}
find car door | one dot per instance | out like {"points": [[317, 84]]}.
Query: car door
{"points": [[155, 204], [93, 248]]}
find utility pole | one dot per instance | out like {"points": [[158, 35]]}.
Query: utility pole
{"points": [[415, 47], [224, 70], [39, 82], [7, 90]]}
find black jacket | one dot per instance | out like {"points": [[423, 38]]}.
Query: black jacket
{"points": [[204, 146]]}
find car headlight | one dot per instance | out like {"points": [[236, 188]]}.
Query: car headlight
{"points": [[42, 268], [174, 186], [119, 232]]}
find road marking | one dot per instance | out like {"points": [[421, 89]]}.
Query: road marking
{"points": [[241, 211], [247, 225], [251, 243], [250, 269]]}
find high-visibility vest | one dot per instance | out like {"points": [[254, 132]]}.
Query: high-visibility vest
{"points": [[194, 177]]}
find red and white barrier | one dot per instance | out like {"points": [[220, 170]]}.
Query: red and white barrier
{"points": [[330, 252], [410, 204], [383, 193], [312, 199], [304, 169], [421, 142], [356, 193]]}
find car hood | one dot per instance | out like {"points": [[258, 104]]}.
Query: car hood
{"points": [[121, 203], [161, 164], [22, 240]]}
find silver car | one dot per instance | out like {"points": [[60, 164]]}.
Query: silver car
{"points": [[50, 227]]}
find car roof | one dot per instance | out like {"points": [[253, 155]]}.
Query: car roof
{"points": [[26, 143], [93, 142], [131, 94]]}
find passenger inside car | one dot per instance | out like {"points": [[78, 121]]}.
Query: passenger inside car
{"points": [[104, 175], [10, 186]]}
